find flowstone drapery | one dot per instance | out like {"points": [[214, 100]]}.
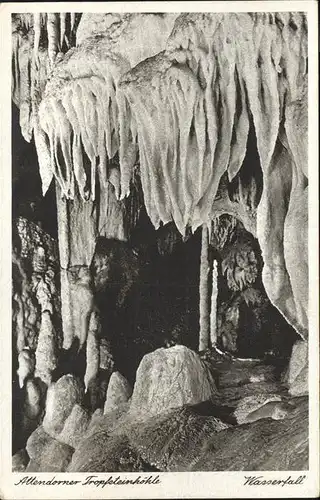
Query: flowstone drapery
{"points": [[176, 98]]}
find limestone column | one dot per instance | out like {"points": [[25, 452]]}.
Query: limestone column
{"points": [[214, 298], [204, 335]]}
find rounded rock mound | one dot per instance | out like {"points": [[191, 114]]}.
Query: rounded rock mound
{"points": [[171, 378]]}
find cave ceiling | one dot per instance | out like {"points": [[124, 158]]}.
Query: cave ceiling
{"points": [[176, 95]]}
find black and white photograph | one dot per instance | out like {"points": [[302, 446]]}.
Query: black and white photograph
{"points": [[160, 249]]}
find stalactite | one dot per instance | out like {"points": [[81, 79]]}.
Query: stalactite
{"points": [[16, 69], [30, 61], [84, 110], [251, 65], [72, 20], [97, 111], [62, 28], [37, 34], [204, 334], [213, 312], [223, 85], [187, 107], [43, 153], [53, 36], [25, 94]]}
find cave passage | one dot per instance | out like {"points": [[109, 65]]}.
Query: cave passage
{"points": [[162, 306]]}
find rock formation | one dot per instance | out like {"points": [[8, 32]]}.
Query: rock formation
{"points": [[119, 392], [165, 124], [169, 378]]}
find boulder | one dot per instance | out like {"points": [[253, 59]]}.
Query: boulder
{"points": [[250, 404], [296, 375], [37, 441], [20, 461], [171, 378], [171, 441], [110, 421], [119, 392], [101, 453], [263, 445], [55, 457], [33, 466], [61, 398], [75, 426]]}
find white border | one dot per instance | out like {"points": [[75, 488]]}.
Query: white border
{"points": [[173, 485]]}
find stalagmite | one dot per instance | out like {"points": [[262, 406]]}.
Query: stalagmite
{"points": [[213, 312], [209, 110], [204, 334], [26, 365], [32, 404], [46, 355], [20, 329], [82, 299], [93, 352]]}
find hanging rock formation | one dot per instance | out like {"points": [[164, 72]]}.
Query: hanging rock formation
{"points": [[189, 105], [156, 109], [197, 87]]}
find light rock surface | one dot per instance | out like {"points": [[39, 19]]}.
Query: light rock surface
{"points": [[36, 443], [20, 461], [113, 419], [32, 405], [262, 445], [170, 441], [61, 398], [169, 378], [296, 376], [251, 404], [75, 426], [55, 457], [33, 466], [119, 391], [101, 453]]}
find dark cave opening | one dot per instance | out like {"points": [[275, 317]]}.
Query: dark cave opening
{"points": [[250, 174], [27, 199], [162, 306]]}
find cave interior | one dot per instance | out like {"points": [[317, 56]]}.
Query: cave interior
{"points": [[161, 307], [159, 199]]}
